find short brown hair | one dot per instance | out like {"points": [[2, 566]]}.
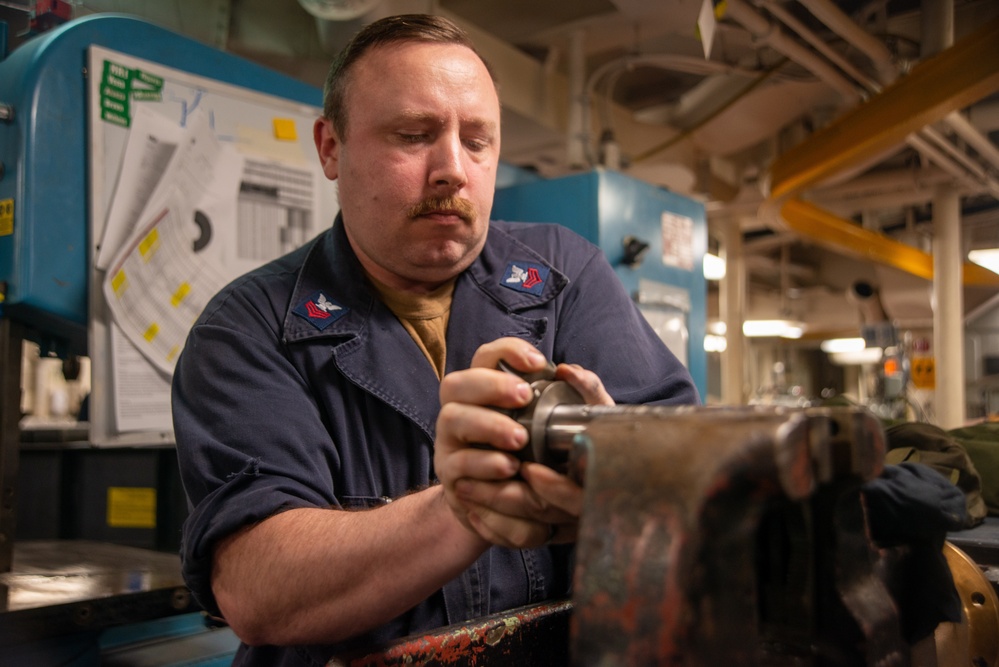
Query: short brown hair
{"points": [[403, 28]]}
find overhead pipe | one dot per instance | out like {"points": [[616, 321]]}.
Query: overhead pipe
{"points": [[960, 166], [831, 231], [937, 34], [816, 42], [883, 182], [937, 26], [867, 299], [934, 88], [766, 32], [844, 26], [834, 17], [971, 134]]}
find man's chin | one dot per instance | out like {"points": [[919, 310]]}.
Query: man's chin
{"points": [[445, 263]]}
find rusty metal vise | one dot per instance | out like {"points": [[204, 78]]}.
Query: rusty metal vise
{"points": [[720, 536], [708, 537]]}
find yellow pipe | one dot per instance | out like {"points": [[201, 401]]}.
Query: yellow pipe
{"points": [[953, 79], [834, 232]]}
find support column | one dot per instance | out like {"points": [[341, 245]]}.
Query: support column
{"points": [[948, 309], [732, 306]]}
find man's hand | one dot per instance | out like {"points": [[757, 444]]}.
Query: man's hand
{"points": [[505, 501]]}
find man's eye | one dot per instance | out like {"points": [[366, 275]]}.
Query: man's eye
{"points": [[412, 138]]}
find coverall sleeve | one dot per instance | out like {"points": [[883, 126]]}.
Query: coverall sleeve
{"points": [[250, 439]]}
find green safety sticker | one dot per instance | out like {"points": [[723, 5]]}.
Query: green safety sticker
{"points": [[120, 86]]}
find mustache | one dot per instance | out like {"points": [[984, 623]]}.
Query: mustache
{"points": [[462, 207]]}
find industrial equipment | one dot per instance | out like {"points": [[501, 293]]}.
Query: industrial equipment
{"points": [[708, 536], [69, 98], [654, 239]]}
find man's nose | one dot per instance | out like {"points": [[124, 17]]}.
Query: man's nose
{"points": [[447, 167]]}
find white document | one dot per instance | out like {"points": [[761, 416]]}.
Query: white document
{"points": [[149, 156], [189, 214], [142, 402], [163, 276]]}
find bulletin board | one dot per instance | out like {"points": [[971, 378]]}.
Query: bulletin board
{"points": [[193, 182]]}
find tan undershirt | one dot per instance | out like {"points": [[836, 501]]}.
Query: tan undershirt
{"points": [[424, 316]]}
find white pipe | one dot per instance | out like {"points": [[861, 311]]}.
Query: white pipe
{"points": [[981, 143], [937, 26], [959, 156], [819, 44], [948, 309], [883, 182], [770, 34], [845, 27]]}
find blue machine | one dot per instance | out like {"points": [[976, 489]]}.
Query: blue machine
{"points": [[609, 209], [44, 246]]}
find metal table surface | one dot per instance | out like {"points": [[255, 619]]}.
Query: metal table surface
{"points": [[61, 587]]}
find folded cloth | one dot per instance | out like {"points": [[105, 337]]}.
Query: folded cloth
{"points": [[910, 508]]}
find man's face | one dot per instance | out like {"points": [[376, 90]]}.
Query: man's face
{"points": [[417, 167]]}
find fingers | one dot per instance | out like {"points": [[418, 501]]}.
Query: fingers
{"points": [[585, 382], [553, 490], [520, 354], [514, 498], [506, 531], [519, 533], [540, 508], [488, 489], [462, 424]]}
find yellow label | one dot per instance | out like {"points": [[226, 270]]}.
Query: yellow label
{"points": [[151, 332], [924, 373], [6, 217], [284, 129], [149, 244], [178, 296], [119, 282], [131, 507]]}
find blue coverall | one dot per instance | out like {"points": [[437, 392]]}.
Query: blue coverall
{"points": [[298, 388]]}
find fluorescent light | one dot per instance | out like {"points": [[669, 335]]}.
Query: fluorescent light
{"points": [[714, 343], [781, 328], [989, 258], [868, 355], [717, 327], [835, 345], [714, 267]]}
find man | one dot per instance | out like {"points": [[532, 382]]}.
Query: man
{"points": [[325, 404]]}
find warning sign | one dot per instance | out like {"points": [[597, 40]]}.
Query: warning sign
{"points": [[131, 507]]}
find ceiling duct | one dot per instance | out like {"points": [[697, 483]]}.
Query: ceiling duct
{"points": [[339, 10]]}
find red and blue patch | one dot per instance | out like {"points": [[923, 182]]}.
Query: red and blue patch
{"points": [[525, 277], [320, 310]]}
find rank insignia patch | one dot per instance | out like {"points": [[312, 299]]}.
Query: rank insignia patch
{"points": [[319, 310], [525, 277]]}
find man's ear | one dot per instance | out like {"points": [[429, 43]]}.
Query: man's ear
{"points": [[328, 146]]}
